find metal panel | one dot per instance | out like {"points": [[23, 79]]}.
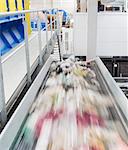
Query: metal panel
{"points": [[112, 34], [117, 94], [34, 48], [11, 129]]}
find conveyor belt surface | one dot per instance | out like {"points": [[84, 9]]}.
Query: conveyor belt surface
{"points": [[73, 112]]}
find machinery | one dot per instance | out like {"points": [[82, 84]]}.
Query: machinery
{"points": [[123, 84], [13, 131], [65, 16], [118, 2], [11, 27]]}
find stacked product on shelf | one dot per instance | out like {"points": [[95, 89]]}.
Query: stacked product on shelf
{"points": [[71, 113]]}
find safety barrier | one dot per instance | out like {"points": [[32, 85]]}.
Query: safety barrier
{"points": [[18, 64]]}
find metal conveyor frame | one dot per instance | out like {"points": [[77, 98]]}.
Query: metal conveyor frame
{"points": [[13, 126]]}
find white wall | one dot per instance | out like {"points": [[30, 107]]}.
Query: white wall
{"points": [[68, 5], [80, 34], [112, 34], [39, 4]]}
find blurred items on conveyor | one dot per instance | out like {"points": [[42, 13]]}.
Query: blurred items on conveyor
{"points": [[72, 113]]}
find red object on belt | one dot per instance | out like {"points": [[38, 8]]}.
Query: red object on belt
{"points": [[50, 115], [88, 119]]}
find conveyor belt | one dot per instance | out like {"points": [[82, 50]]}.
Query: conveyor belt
{"points": [[117, 113], [76, 110]]}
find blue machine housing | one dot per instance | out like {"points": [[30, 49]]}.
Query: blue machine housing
{"points": [[11, 30], [34, 24], [43, 23], [66, 16], [11, 33]]}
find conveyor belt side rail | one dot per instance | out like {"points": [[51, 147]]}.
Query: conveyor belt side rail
{"points": [[120, 101]]}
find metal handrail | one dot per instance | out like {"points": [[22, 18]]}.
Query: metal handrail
{"points": [[12, 13], [3, 113], [14, 52]]}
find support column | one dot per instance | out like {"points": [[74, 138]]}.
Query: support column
{"points": [[92, 29]]}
